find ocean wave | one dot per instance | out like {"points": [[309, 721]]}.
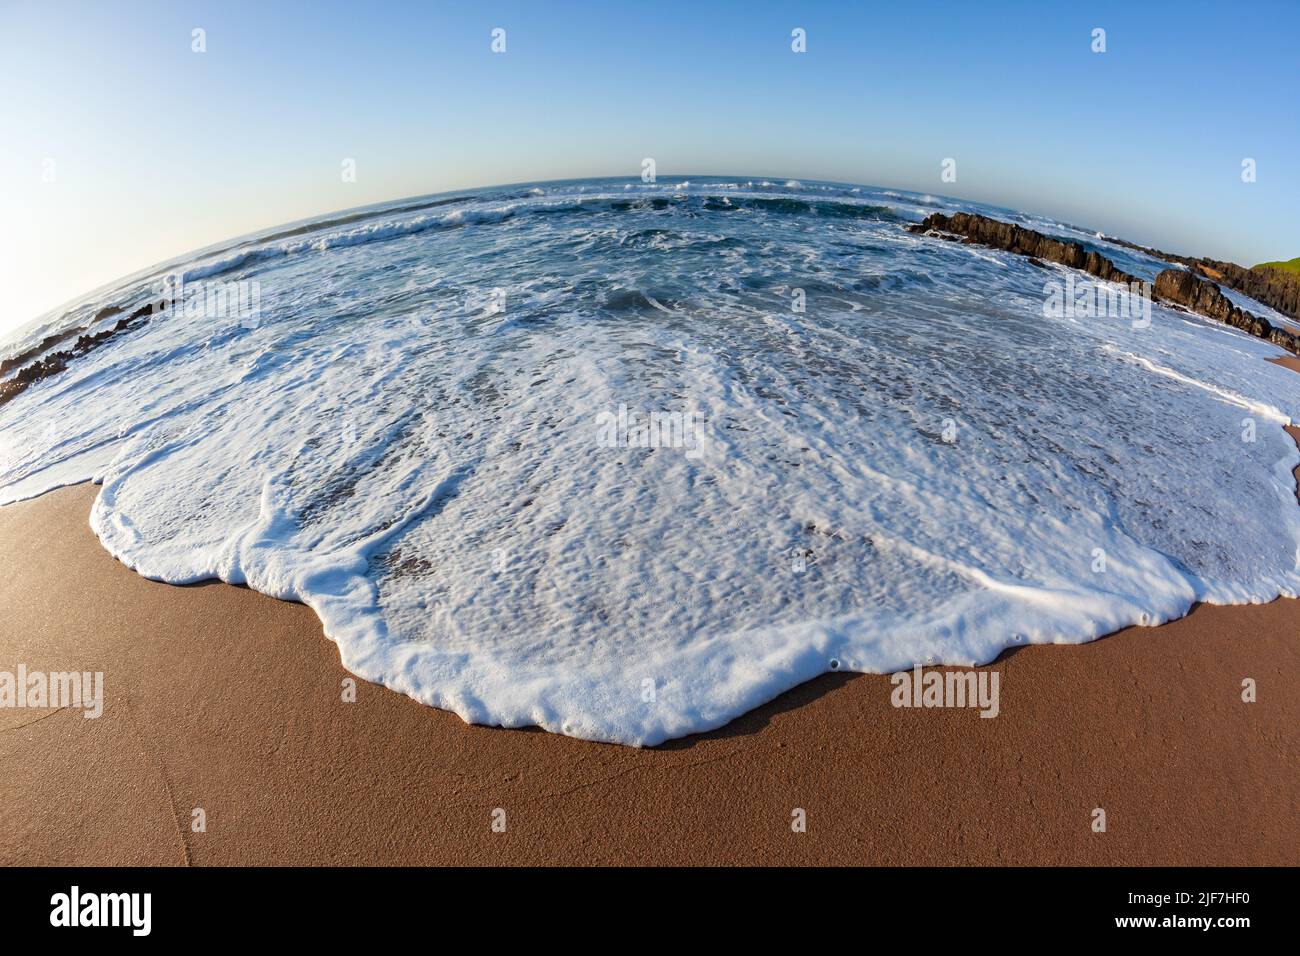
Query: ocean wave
{"points": [[387, 229], [624, 463]]}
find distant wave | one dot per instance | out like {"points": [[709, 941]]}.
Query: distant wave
{"points": [[386, 228]]}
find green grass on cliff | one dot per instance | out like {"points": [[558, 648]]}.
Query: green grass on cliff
{"points": [[1291, 265]]}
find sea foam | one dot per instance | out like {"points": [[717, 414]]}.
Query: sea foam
{"points": [[918, 468]]}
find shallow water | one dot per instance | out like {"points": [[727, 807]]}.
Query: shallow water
{"points": [[429, 434]]}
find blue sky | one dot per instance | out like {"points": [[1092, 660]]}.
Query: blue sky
{"points": [[157, 150]]}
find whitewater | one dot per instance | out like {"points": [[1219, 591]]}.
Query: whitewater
{"points": [[411, 436]]}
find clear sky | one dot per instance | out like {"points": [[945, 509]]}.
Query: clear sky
{"points": [[121, 147]]}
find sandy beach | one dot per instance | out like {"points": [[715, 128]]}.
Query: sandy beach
{"points": [[221, 699]]}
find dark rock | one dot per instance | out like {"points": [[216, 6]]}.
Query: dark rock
{"points": [[1026, 242], [1276, 288], [1182, 287], [1205, 297], [55, 362]]}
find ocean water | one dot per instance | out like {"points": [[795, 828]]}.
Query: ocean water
{"points": [[431, 433]]}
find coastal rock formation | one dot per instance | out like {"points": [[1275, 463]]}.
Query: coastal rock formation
{"points": [[56, 362], [1204, 297], [1181, 287], [47, 343], [1276, 288], [1012, 238]]}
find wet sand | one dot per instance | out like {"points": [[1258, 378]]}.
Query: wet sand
{"points": [[220, 698]]}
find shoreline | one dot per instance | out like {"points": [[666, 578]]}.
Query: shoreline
{"points": [[222, 699]]}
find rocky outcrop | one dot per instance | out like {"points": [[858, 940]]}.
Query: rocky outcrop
{"points": [[1276, 288], [56, 362], [1177, 286], [47, 343], [1012, 238], [1205, 297]]}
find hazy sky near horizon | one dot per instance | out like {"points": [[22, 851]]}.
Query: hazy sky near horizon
{"points": [[121, 147]]}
